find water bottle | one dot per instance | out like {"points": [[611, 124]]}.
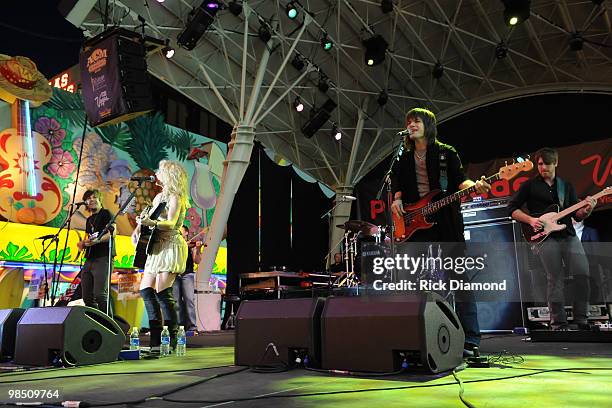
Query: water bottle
{"points": [[165, 342], [181, 342], [134, 339]]}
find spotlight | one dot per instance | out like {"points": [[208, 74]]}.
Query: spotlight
{"points": [[298, 105], [336, 132], [292, 10], [323, 85], [516, 11], [160, 1], [576, 42], [235, 7], [501, 50], [199, 20], [298, 62], [386, 6], [376, 46], [326, 43], [382, 98], [168, 52], [264, 33], [438, 70]]}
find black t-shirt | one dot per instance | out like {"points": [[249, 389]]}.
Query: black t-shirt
{"points": [[538, 196], [449, 221], [96, 223], [338, 267], [190, 264]]}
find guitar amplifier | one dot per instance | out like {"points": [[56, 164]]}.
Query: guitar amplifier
{"points": [[474, 212]]}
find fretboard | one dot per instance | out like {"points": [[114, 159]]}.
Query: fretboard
{"points": [[435, 206]]}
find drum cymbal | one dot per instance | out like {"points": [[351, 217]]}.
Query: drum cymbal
{"points": [[359, 226]]}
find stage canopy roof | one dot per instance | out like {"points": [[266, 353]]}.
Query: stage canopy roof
{"points": [[465, 38]]}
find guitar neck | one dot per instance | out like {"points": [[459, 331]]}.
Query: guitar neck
{"points": [[433, 207], [577, 206]]}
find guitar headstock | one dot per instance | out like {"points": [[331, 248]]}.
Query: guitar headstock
{"points": [[509, 171]]}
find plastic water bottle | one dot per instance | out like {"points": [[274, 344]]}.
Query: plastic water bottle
{"points": [[165, 342], [181, 342], [134, 339]]}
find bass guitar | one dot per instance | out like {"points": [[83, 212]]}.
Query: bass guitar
{"points": [[550, 221], [147, 238], [415, 217]]}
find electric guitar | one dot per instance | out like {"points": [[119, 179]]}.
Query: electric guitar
{"points": [[416, 213], [148, 236], [550, 218]]}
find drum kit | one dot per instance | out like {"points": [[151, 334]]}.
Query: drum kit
{"points": [[355, 233]]}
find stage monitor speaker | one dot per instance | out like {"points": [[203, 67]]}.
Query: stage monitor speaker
{"points": [[114, 77], [291, 325], [379, 333], [77, 335], [8, 328]]}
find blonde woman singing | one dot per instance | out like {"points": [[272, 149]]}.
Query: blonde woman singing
{"points": [[169, 255]]}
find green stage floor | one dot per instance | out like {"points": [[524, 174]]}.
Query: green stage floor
{"points": [[587, 384]]}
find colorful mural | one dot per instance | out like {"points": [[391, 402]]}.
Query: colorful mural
{"points": [[110, 155]]}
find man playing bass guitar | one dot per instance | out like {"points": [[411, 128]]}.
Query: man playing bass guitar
{"points": [[426, 165], [538, 194]]}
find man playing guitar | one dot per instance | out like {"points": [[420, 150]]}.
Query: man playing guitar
{"points": [[537, 195], [94, 275]]}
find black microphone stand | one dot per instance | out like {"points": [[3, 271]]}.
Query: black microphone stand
{"points": [[387, 183], [110, 228], [327, 257], [55, 237]]}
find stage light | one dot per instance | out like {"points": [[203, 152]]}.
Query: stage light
{"points": [[292, 10], [323, 85], [438, 70], [326, 43], [235, 8], [298, 105], [336, 132], [501, 51], [168, 52], [516, 11], [382, 98], [198, 22], [576, 42], [375, 46], [386, 6], [264, 33], [298, 62], [160, 1]]}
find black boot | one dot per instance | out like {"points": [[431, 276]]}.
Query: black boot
{"points": [[168, 309], [155, 318]]}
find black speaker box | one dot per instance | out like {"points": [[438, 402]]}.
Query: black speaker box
{"points": [[8, 328], [291, 325], [379, 333], [77, 335]]}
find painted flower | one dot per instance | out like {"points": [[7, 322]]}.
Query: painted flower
{"points": [[194, 218], [61, 163], [51, 129]]}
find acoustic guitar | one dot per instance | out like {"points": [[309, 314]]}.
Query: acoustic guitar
{"points": [[148, 237]]}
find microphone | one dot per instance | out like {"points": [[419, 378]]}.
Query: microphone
{"points": [[405, 132], [45, 237], [80, 203], [348, 198], [143, 178]]}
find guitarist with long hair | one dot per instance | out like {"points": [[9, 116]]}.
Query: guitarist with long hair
{"points": [[538, 194], [426, 165], [169, 254]]}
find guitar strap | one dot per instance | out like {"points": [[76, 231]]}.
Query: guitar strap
{"points": [[560, 192], [443, 171]]}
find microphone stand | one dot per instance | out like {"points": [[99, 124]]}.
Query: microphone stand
{"points": [[44, 259], [110, 228], [56, 273], [327, 258], [388, 214]]}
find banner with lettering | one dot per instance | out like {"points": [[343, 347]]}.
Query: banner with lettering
{"points": [[587, 166]]}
